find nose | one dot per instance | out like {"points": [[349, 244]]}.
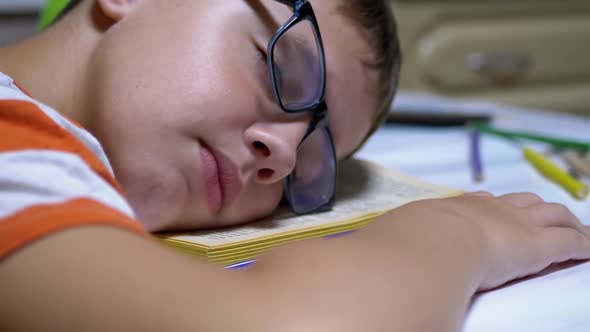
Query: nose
{"points": [[274, 145]]}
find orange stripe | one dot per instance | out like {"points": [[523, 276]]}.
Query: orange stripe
{"points": [[38, 221], [24, 126]]}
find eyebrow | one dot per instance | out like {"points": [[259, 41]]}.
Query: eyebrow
{"points": [[270, 22], [265, 15]]}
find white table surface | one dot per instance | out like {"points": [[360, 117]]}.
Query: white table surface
{"points": [[558, 301]]}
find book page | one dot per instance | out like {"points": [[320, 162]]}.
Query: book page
{"points": [[364, 189]]}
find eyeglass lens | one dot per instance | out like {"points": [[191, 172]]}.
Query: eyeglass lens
{"points": [[312, 182], [298, 66]]}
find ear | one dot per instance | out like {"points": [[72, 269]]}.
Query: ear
{"points": [[117, 9]]}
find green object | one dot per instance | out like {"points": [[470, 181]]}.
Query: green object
{"points": [[51, 12], [516, 135]]}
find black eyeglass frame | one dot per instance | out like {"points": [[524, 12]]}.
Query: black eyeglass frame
{"points": [[302, 10]]}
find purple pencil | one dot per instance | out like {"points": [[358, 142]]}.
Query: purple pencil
{"points": [[475, 155]]}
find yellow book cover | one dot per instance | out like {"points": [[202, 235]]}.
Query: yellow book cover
{"points": [[365, 190]]}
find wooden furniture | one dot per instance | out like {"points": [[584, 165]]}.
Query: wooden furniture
{"points": [[533, 53]]}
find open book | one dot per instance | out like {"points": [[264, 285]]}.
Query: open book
{"points": [[365, 190]]}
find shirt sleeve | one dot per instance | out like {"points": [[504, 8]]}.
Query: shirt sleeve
{"points": [[50, 180]]}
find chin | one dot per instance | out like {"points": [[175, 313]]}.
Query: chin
{"points": [[157, 204], [246, 213]]}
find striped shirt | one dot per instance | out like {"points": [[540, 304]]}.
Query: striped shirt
{"points": [[54, 175]]}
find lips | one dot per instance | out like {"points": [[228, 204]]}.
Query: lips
{"points": [[221, 179]]}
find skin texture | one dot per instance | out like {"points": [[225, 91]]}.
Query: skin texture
{"points": [[208, 84], [413, 269]]}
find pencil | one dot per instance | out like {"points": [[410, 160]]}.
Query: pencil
{"points": [[554, 173], [475, 156], [577, 163], [557, 142]]}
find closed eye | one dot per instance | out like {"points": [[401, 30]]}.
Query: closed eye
{"points": [[262, 65], [262, 56]]}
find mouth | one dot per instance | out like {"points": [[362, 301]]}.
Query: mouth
{"points": [[221, 179]]}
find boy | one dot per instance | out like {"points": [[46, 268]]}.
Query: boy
{"points": [[202, 122]]}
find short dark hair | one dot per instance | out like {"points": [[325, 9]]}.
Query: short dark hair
{"points": [[377, 20]]}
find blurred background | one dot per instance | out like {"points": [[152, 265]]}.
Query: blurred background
{"points": [[18, 19], [530, 53]]}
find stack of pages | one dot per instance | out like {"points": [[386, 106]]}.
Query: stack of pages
{"points": [[365, 190]]}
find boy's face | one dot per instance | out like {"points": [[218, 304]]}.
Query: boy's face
{"points": [[174, 83]]}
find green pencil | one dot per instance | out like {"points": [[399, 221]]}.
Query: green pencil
{"points": [[515, 135]]}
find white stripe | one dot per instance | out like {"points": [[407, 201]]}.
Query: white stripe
{"points": [[32, 177], [9, 90]]}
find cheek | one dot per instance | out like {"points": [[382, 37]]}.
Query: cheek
{"points": [[145, 99], [351, 109], [133, 118], [155, 201]]}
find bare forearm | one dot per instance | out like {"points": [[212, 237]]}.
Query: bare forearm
{"points": [[395, 275], [89, 278]]}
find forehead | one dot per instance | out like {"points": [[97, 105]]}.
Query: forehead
{"points": [[350, 83]]}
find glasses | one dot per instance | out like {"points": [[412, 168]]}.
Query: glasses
{"points": [[298, 74]]}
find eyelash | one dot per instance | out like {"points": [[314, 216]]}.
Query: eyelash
{"points": [[262, 65], [262, 56]]}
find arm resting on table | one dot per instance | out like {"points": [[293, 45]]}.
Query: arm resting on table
{"points": [[92, 276]]}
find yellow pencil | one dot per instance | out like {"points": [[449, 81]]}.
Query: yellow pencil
{"points": [[554, 173]]}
